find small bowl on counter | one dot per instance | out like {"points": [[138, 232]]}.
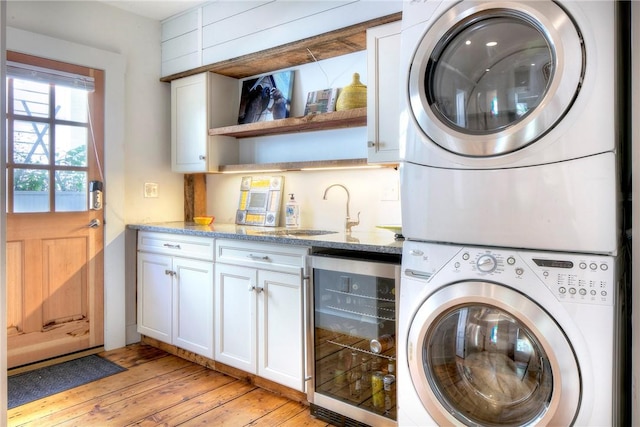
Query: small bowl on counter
{"points": [[203, 220]]}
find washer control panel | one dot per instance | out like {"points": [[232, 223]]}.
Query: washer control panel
{"points": [[575, 278], [579, 278]]}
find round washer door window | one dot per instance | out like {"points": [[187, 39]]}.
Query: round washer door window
{"points": [[482, 364], [491, 78]]}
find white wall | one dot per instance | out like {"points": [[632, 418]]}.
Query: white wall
{"points": [[365, 187]]}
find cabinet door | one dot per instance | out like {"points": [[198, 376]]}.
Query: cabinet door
{"points": [[155, 296], [281, 328], [193, 306], [383, 94], [189, 131], [235, 321]]}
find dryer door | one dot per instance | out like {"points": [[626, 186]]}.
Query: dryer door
{"points": [[480, 353], [489, 78]]}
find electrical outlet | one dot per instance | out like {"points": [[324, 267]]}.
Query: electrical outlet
{"points": [[150, 190]]}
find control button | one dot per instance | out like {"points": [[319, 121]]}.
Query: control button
{"points": [[604, 267], [465, 256], [519, 271], [593, 266], [603, 293], [583, 291], [562, 290], [593, 292], [545, 274], [456, 265], [572, 291], [583, 265], [511, 260]]}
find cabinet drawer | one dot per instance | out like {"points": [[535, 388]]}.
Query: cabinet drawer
{"points": [[176, 244], [262, 255]]}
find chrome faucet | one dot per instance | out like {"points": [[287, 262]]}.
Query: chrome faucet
{"points": [[348, 222]]}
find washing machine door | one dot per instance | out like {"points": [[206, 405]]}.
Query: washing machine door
{"points": [[489, 78], [480, 353]]}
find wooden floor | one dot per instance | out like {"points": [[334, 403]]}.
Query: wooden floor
{"points": [[159, 389]]}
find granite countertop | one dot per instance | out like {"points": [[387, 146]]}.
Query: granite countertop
{"points": [[375, 240]]}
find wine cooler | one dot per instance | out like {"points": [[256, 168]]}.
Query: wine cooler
{"points": [[352, 351]]}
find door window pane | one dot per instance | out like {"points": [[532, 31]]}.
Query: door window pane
{"points": [[30, 98], [31, 143], [71, 104], [71, 191], [48, 140], [31, 190], [71, 145]]}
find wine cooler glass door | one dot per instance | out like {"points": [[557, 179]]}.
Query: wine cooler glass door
{"points": [[354, 333]]}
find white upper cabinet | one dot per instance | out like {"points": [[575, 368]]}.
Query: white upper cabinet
{"points": [[383, 93], [198, 103]]}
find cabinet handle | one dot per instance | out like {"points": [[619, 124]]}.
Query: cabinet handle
{"points": [[259, 289], [371, 144], [170, 273], [252, 288], [201, 157], [258, 257], [170, 246]]}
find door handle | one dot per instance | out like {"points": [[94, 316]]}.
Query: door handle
{"points": [[95, 223]]}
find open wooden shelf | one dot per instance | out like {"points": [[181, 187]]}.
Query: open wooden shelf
{"points": [[310, 122], [294, 166]]}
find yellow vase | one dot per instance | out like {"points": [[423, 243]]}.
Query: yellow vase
{"points": [[353, 95]]}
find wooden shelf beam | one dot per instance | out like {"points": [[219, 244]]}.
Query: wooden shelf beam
{"points": [[328, 45], [311, 122]]}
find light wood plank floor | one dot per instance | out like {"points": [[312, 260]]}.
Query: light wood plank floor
{"points": [[159, 389]]}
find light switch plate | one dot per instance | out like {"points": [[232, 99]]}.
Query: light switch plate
{"points": [[150, 190]]}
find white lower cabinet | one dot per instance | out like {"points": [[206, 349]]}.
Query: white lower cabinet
{"points": [[260, 310], [175, 293]]}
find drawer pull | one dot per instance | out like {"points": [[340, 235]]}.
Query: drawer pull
{"points": [[258, 257], [170, 246], [170, 273]]}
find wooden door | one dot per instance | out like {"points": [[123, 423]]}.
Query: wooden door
{"points": [[55, 262]]}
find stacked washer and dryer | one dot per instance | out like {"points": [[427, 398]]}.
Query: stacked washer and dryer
{"points": [[510, 296]]}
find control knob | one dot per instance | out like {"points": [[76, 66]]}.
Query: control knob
{"points": [[486, 263]]}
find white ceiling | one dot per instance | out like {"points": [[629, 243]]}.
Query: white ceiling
{"points": [[157, 10]]}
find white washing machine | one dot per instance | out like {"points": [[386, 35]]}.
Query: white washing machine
{"points": [[509, 124], [501, 337]]}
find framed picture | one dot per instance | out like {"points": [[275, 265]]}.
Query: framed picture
{"points": [[266, 98], [321, 101]]}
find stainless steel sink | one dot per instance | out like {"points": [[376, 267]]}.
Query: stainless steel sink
{"points": [[296, 232]]}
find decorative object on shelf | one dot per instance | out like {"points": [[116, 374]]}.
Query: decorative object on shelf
{"points": [[266, 98], [321, 101], [203, 220], [260, 198], [353, 95]]}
